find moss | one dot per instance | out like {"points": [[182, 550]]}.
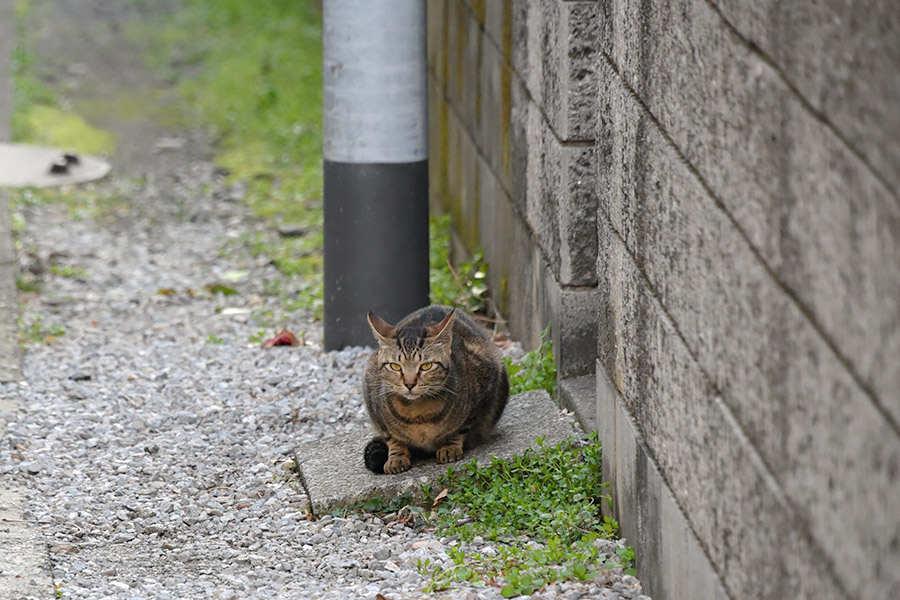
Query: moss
{"points": [[48, 125]]}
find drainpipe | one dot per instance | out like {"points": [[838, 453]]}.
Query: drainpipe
{"points": [[375, 164]]}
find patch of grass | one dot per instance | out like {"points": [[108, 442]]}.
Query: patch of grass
{"points": [[38, 332], [543, 511], [83, 202], [252, 73], [69, 272], [536, 371], [463, 285], [38, 117], [29, 285]]}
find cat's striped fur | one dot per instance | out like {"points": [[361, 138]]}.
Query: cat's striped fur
{"points": [[436, 384]]}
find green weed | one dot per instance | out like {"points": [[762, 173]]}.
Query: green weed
{"points": [[463, 285], [536, 371], [38, 332], [69, 272], [543, 511]]}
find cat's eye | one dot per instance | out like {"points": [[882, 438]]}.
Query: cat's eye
{"points": [[425, 366], [395, 367]]}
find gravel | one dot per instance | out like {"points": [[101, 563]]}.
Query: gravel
{"points": [[154, 434]]}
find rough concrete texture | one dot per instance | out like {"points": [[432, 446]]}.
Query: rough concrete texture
{"points": [[555, 48], [24, 563], [10, 361], [748, 235], [29, 166], [561, 201], [844, 63], [834, 457], [747, 526], [670, 557], [335, 476], [578, 394], [782, 174]]}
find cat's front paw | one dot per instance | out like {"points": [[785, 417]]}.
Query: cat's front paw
{"points": [[396, 464], [449, 453]]}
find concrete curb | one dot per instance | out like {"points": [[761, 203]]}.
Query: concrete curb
{"points": [[24, 561], [333, 473]]}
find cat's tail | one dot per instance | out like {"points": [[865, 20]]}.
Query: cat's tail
{"points": [[375, 455]]}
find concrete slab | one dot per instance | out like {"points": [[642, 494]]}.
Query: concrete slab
{"points": [[579, 394], [29, 166], [334, 474], [24, 561]]}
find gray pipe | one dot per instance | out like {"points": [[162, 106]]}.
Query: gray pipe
{"points": [[375, 164]]}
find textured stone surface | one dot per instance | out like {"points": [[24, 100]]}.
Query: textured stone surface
{"points": [[335, 476], [24, 563], [579, 394], [835, 458], [843, 62], [555, 50], [668, 552], [747, 526], [818, 217]]}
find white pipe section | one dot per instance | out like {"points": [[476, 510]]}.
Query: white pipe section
{"points": [[374, 81]]}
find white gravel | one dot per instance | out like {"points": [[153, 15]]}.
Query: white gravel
{"points": [[153, 456]]}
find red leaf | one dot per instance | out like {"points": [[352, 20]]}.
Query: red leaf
{"points": [[282, 338]]}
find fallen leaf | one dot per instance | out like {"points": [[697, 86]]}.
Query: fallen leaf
{"points": [[218, 288], [62, 548], [235, 276], [282, 338], [243, 505], [439, 497], [166, 291]]}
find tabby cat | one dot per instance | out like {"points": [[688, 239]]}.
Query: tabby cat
{"points": [[436, 385]]}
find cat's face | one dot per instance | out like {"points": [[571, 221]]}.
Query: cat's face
{"points": [[415, 361]]}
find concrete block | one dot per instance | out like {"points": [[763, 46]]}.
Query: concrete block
{"points": [[493, 131], [10, 357], [334, 474], [822, 221], [24, 561], [671, 562], [464, 47], [753, 534], [572, 313], [556, 51], [844, 63], [561, 202], [579, 394], [835, 457], [436, 17], [498, 25]]}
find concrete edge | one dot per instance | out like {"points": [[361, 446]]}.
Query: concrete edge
{"points": [[671, 562], [333, 476]]}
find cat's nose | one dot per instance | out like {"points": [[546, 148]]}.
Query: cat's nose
{"points": [[409, 386]]}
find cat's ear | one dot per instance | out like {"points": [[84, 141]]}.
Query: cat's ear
{"points": [[441, 330], [384, 332]]}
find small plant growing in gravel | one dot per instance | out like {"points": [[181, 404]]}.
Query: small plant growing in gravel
{"points": [[68, 272], [536, 371], [38, 332], [539, 513]]}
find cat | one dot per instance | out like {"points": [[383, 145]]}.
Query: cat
{"points": [[436, 385]]}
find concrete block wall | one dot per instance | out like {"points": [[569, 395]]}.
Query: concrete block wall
{"points": [[703, 198]]}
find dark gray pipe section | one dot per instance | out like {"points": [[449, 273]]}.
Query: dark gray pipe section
{"points": [[376, 246], [376, 164]]}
